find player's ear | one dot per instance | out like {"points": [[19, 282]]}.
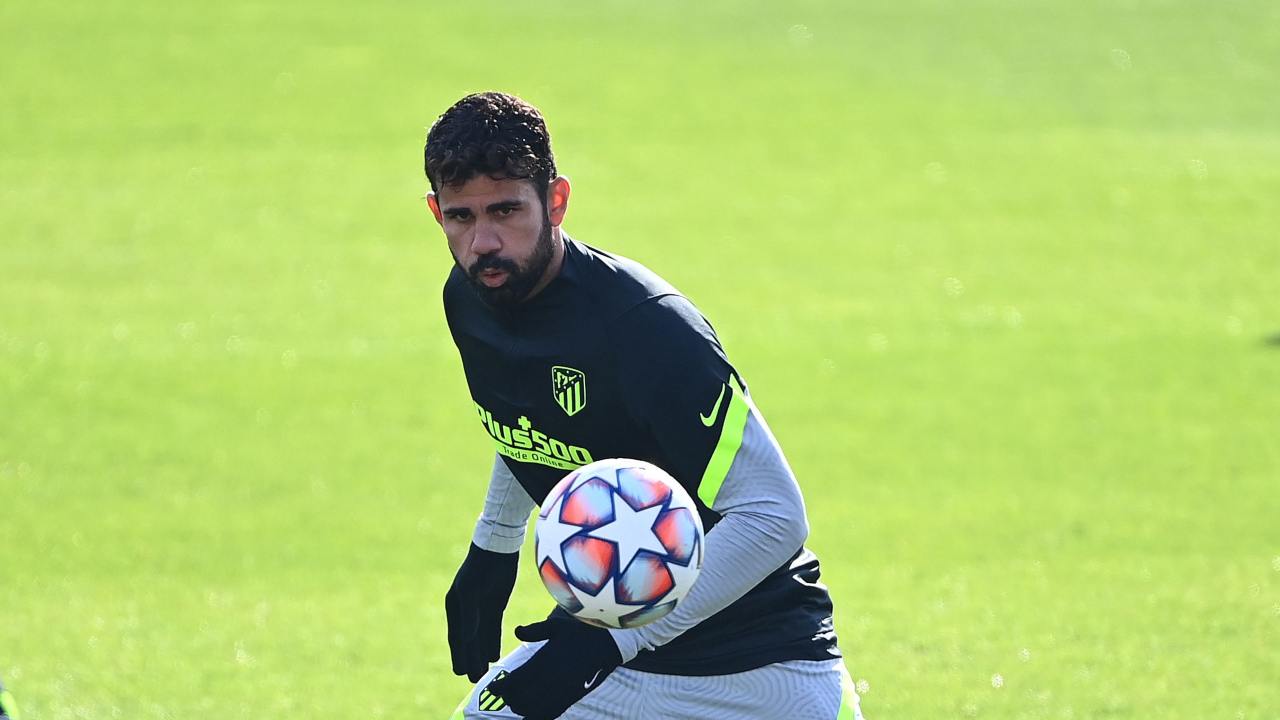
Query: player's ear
{"points": [[557, 200], [434, 204]]}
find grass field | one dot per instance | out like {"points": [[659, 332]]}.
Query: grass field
{"points": [[1004, 276]]}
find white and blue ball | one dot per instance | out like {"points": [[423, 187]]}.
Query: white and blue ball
{"points": [[619, 543]]}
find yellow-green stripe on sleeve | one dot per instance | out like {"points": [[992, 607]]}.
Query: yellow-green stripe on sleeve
{"points": [[735, 423]]}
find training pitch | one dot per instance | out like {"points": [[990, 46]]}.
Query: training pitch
{"points": [[1004, 278]]}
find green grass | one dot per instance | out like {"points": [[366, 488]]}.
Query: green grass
{"points": [[1003, 278]]}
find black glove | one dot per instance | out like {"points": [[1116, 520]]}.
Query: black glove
{"points": [[473, 607], [575, 660]]}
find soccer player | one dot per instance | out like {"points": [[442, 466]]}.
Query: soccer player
{"points": [[573, 354]]}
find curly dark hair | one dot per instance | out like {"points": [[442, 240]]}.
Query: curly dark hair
{"points": [[490, 133]]}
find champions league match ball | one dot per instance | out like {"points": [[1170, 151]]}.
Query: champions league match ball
{"points": [[619, 543]]}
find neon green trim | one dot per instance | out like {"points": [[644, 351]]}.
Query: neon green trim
{"points": [[458, 714], [846, 710], [735, 423], [848, 697], [9, 705]]}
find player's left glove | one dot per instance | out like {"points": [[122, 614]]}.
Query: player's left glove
{"points": [[575, 660], [473, 608]]}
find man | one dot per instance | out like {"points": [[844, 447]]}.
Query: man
{"points": [[533, 311]]}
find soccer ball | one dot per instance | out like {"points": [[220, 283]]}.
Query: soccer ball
{"points": [[619, 543]]}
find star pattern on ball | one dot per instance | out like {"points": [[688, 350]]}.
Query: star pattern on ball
{"points": [[601, 607], [631, 531], [552, 534], [683, 577]]}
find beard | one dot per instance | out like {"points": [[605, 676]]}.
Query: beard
{"points": [[520, 279]]}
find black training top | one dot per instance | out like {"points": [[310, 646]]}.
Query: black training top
{"points": [[609, 360]]}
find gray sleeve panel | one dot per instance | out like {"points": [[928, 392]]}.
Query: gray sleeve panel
{"points": [[763, 525], [506, 512]]}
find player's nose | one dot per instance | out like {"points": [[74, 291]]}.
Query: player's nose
{"points": [[485, 240]]}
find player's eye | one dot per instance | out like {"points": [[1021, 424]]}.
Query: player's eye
{"points": [[504, 211], [458, 215]]}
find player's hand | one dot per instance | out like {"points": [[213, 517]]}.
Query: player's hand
{"points": [[575, 660], [473, 608]]}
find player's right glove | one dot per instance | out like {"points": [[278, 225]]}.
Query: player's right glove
{"points": [[473, 608], [575, 660]]}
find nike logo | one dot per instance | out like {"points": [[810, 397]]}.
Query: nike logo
{"points": [[588, 684], [715, 409]]}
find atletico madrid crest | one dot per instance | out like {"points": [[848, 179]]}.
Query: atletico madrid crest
{"points": [[570, 388], [487, 700]]}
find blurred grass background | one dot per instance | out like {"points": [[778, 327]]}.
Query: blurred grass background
{"points": [[1003, 277]]}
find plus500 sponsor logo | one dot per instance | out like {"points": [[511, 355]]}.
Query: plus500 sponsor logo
{"points": [[527, 444]]}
